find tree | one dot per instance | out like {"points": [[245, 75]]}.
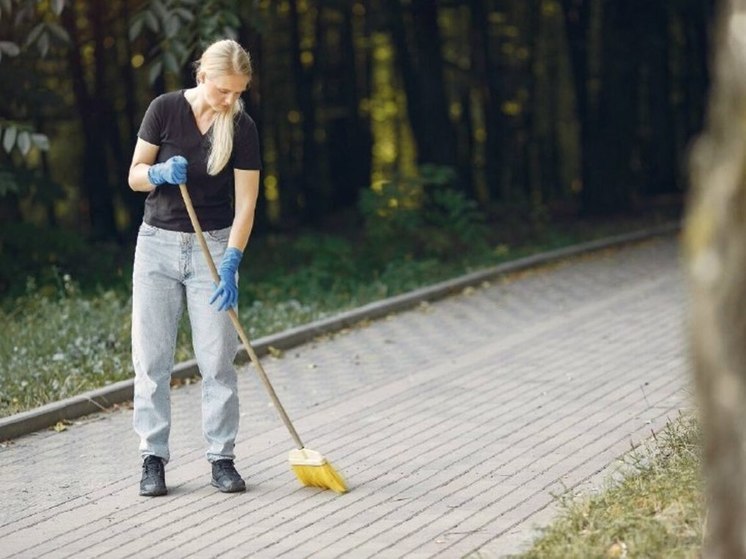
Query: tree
{"points": [[418, 44], [92, 105], [29, 33], [715, 242]]}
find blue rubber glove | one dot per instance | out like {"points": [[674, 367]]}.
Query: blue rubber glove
{"points": [[226, 293], [171, 171]]}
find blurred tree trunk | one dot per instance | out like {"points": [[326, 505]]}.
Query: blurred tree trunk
{"points": [[552, 146], [490, 76], [658, 135], [251, 39], [715, 241], [96, 187], [489, 84], [577, 15], [420, 64], [313, 189], [697, 18], [349, 137], [532, 147], [132, 200], [609, 179]]}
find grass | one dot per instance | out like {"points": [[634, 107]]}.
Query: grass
{"points": [[65, 334], [656, 510]]}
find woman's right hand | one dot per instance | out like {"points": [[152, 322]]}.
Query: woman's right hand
{"points": [[172, 171]]}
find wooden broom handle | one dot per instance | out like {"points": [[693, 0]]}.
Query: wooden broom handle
{"points": [[234, 318]]}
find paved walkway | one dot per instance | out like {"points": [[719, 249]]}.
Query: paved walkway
{"points": [[454, 424]]}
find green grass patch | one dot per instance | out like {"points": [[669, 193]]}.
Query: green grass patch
{"points": [[64, 333], [656, 510]]}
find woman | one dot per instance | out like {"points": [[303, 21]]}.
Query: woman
{"points": [[199, 136]]}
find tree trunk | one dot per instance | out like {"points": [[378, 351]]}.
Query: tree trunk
{"points": [[488, 82], [533, 183], [252, 41], [132, 200], [100, 208], [577, 15], [608, 184], [349, 137], [659, 139], [698, 15], [421, 67], [313, 189], [715, 241]]}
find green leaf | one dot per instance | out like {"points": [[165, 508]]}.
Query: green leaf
{"points": [[155, 70], [59, 32], [180, 50], [9, 139], [136, 27], [172, 26], [184, 14], [58, 6], [24, 142], [8, 183], [9, 48], [170, 63], [43, 44], [6, 7], [41, 141], [159, 9], [232, 20], [35, 33], [151, 21]]}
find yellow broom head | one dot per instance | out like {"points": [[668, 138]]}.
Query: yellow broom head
{"points": [[314, 470]]}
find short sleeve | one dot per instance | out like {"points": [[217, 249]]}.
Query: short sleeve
{"points": [[246, 152], [151, 127]]}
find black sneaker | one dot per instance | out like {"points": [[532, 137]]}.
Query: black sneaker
{"points": [[153, 482], [226, 478]]}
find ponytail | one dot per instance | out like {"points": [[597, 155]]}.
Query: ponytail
{"points": [[221, 139], [219, 59]]}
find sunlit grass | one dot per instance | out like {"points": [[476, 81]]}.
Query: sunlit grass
{"points": [[60, 340], [656, 510]]}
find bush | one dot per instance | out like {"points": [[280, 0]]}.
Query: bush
{"points": [[422, 216], [58, 345], [45, 255]]}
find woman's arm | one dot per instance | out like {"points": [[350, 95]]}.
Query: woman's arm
{"points": [[142, 158], [247, 192]]}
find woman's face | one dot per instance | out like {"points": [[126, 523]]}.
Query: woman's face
{"points": [[222, 91]]}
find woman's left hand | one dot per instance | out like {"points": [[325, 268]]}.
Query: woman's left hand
{"points": [[226, 292]]}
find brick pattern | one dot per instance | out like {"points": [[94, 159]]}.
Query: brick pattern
{"points": [[455, 425]]}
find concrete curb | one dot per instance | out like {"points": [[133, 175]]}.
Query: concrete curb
{"points": [[98, 400]]}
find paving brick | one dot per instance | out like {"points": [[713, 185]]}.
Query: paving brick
{"points": [[455, 423]]}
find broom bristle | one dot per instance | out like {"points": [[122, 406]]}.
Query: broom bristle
{"points": [[324, 476]]}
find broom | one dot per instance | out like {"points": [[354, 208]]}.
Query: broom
{"points": [[309, 466]]}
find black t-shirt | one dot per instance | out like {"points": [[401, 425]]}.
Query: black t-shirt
{"points": [[170, 124]]}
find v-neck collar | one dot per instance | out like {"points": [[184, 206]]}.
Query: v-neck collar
{"points": [[193, 118]]}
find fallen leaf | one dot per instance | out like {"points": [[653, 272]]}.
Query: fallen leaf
{"points": [[60, 426], [617, 550]]}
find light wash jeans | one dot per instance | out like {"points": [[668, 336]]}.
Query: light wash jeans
{"points": [[170, 269]]}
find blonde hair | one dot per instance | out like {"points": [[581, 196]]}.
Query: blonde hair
{"points": [[222, 58]]}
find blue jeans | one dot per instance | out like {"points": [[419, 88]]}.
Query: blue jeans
{"points": [[170, 270]]}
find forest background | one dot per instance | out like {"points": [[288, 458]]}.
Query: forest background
{"points": [[525, 110], [402, 141]]}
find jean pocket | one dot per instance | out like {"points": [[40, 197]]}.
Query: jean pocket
{"points": [[147, 230], [219, 235]]}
